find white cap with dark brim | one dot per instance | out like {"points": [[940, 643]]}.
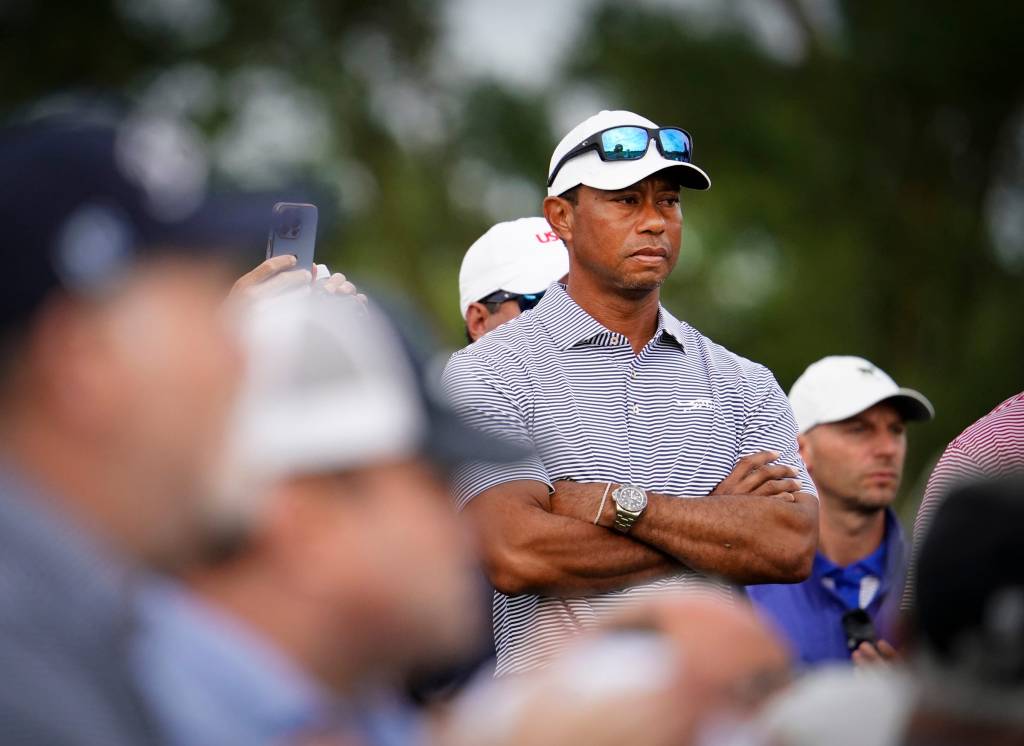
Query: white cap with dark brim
{"points": [[588, 168], [838, 387]]}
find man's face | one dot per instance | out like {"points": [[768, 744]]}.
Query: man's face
{"points": [[394, 564], [858, 462], [480, 318], [626, 240], [170, 368]]}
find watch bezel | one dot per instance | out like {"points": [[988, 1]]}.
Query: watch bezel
{"points": [[636, 498]]}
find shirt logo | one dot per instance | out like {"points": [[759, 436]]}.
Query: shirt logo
{"points": [[547, 237], [690, 405]]}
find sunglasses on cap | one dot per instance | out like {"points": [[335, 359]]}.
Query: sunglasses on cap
{"points": [[630, 143], [526, 301]]}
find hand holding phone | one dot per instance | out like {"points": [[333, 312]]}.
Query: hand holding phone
{"points": [[293, 231]]}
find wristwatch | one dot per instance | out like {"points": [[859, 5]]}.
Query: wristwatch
{"points": [[630, 504]]}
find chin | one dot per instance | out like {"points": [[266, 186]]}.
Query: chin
{"points": [[641, 284]]}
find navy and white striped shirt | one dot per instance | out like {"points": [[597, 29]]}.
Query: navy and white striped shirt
{"points": [[673, 419]]}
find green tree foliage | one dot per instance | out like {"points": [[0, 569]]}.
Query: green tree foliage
{"points": [[857, 167]]}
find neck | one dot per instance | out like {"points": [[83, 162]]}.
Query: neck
{"points": [[291, 623], [849, 535], [631, 313], [72, 473]]}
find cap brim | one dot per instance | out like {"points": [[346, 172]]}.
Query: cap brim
{"points": [[913, 405], [450, 443]]}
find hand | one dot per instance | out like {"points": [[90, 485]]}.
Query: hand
{"points": [[756, 475], [336, 284], [273, 276], [880, 652]]}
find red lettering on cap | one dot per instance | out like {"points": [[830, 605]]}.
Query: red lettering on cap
{"points": [[547, 237]]}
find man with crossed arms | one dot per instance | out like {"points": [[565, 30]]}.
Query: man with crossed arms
{"points": [[662, 460]]}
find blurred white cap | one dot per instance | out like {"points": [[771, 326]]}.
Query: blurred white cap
{"points": [[519, 256], [327, 388], [841, 386], [588, 168]]}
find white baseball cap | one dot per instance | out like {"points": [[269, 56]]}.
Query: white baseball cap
{"points": [[841, 386], [588, 168], [329, 386], [519, 256]]}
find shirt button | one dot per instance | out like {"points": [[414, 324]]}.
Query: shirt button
{"points": [[636, 409], [632, 374]]}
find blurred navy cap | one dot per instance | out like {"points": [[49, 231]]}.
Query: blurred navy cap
{"points": [[82, 198]]}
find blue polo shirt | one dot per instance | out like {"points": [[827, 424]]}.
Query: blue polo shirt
{"points": [[810, 613]]}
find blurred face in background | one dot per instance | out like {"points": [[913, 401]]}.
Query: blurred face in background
{"points": [[482, 318], [150, 375], [858, 463], [381, 549], [625, 240]]}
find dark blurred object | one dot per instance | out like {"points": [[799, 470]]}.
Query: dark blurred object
{"points": [[80, 198], [858, 628], [969, 612]]}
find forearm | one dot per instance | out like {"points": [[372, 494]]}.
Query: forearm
{"points": [[530, 546], [744, 538], [567, 557]]}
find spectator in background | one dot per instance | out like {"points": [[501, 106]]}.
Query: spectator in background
{"points": [[117, 372], [338, 565], [629, 410], [992, 446], [852, 420], [506, 272], [963, 683]]}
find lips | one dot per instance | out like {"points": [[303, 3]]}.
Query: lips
{"points": [[655, 252]]}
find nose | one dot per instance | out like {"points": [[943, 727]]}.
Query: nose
{"points": [[887, 444], [651, 218]]}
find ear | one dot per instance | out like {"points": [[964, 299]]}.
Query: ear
{"points": [[476, 320], [559, 214]]}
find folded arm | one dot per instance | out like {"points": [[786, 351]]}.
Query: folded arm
{"points": [[529, 549], [756, 527]]}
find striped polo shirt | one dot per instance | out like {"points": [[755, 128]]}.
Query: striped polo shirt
{"points": [[991, 447], [673, 419]]}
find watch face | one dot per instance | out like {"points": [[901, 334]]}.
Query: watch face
{"points": [[631, 498]]}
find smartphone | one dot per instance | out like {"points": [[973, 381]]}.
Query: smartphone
{"points": [[293, 231]]}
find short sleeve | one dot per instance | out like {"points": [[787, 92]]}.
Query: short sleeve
{"points": [[490, 404], [771, 426]]}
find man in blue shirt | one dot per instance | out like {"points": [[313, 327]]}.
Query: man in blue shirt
{"points": [[851, 417]]}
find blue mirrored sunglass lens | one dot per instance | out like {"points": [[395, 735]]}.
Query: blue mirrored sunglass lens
{"points": [[675, 144], [526, 302], [624, 143]]}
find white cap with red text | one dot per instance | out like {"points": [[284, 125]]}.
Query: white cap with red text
{"points": [[588, 168], [841, 386], [518, 256]]}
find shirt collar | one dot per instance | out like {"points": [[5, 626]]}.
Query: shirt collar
{"points": [[890, 552], [569, 325], [187, 641], [90, 582]]}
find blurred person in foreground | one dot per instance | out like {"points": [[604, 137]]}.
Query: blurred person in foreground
{"points": [[117, 373], [337, 565], [664, 461], [963, 683], [506, 272], [677, 670], [990, 447], [852, 420]]}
